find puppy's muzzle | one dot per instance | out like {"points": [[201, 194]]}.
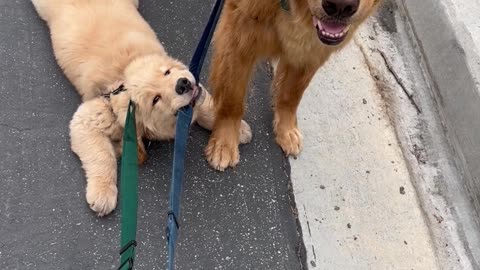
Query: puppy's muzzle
{"points": [[183, 86]]}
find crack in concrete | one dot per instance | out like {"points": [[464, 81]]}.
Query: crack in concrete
{"points": [[399, 81]]}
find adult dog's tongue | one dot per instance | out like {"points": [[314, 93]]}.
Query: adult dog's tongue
{"points": [[332, 27], [330, 33]]}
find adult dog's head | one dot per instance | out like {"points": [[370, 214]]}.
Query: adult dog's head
{"points": [[160, 86], [334, 18]]}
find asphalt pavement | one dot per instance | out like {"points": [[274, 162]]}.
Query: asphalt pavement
{"points": [[240, 219]]}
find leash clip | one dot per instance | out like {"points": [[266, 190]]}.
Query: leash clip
{"points": [[174, 218], [171, 213], [115, 92], [127, 246], [121, 88], [130, 264], [130, 244]]}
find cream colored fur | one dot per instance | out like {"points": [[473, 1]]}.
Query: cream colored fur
{"points": [[101, 44]]}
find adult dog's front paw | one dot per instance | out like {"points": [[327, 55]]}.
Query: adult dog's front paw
{"points": [[290, 140], [222, 152], [101, 196]]}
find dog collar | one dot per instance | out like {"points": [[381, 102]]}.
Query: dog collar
{"points": [[285, 5], [115, 92]]}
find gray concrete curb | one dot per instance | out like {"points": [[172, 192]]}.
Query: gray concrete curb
{"points": [[452, 60]]}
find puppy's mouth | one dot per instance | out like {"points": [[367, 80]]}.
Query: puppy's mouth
{"points": [[196, 93], [331, 32]]}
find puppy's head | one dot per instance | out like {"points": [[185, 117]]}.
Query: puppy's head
{"points": [[160, 86], [334, 18]]}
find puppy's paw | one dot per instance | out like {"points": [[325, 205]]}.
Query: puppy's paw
{"points": [[222, 153], [101, 196], [245, 133], [291, 141]]}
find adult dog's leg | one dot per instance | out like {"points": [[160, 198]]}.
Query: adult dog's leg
{"points": [[233, 60], [205, 117], [98, 157], [288, 85]]}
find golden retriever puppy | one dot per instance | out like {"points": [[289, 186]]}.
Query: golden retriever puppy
{"points": [[105, 45], [300, 34]]}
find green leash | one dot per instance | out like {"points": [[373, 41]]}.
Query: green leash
{"points": [[129, 174], [128, 188]]}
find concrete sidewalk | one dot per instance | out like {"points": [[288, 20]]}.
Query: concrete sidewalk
{"points": [[448, 35], [354, 194], [373, 186]]}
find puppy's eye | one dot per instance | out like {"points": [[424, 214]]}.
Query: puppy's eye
{"points": [[156, 99], [167, 72]]}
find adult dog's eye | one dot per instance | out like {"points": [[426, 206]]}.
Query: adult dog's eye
{"points": [[156, 99], [167, 72]]}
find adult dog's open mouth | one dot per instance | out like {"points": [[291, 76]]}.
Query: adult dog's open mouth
{"points": [[331, 32]]}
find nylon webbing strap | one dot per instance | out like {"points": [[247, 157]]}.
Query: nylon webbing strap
{"points": [[128, 191], [184, 119], [202, 47]]}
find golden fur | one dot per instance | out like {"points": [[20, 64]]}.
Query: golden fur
{"points": [[250, 30], [101, 44]]}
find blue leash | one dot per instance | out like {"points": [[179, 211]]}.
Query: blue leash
{"points": [[184, 118], [129, 169]]}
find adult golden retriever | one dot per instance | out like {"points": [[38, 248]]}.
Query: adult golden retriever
{"points": [[301, 34]]}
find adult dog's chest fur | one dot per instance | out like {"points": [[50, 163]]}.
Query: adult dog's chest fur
{"points": [[299, 41]]}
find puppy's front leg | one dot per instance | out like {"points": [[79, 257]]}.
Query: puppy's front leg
{"points": [[98, 157]]}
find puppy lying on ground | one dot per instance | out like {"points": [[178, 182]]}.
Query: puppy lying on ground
{"points": [[105, 45]]}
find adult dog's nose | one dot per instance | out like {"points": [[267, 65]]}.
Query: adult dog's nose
{"points": [[183, 86], [341, 8]]}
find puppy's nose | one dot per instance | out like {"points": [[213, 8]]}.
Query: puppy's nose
{"points": [[341, 8], [183, 86]]}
